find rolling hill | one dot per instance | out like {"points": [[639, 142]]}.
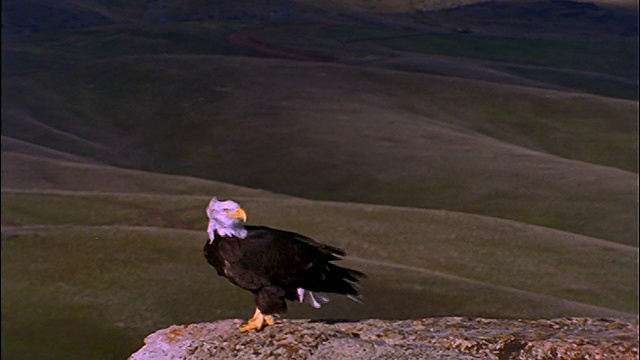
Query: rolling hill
{"points": [[479, 160], [118, 260]]}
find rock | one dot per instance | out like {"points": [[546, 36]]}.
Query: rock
{"points": [[435, 338]]}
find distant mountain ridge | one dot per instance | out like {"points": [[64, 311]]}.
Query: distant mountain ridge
{"points": [[34, 16]]}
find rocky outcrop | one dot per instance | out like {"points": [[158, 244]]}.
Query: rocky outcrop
{"points": [[431, 338]]}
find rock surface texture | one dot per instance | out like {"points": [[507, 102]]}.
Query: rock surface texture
{"points": [[432, 338]]}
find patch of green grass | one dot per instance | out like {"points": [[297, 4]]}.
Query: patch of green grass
{"points": [[122, 282], [479, 248], [588, 82], [107, 288], [24, 208], [568, 125], [18, 209], [103, 289]]}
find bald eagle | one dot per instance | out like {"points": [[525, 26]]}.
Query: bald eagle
{"points": [[275, 265]]}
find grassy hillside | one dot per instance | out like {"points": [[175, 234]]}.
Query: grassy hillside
{"points": [[474, 251], [104, 288], [387, 137], [118, 255], [101, 275]]}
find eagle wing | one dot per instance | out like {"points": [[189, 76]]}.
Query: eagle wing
{"points": [[277, 264], [285, 258], [293, 261]]}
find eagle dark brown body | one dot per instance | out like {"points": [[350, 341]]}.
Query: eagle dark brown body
{"points": [[273, 264]]}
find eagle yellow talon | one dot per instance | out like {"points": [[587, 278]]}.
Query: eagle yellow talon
{"points": [[257, 322], [269, 319]]}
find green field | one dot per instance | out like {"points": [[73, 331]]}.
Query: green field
{"points": [[110, 268]]}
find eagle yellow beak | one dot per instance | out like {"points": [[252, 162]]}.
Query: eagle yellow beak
{"points": [[238, 214]]}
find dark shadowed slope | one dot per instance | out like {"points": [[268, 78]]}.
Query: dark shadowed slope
{"points": [[556, 159]]}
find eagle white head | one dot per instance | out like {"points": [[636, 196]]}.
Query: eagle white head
{"points": [[226, 218]]}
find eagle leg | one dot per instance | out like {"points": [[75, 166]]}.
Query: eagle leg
{"points": [[258, 321]]}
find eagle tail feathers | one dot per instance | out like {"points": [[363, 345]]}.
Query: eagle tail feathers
{"points": [[334, 250], [357, 298], [340, 280]]}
